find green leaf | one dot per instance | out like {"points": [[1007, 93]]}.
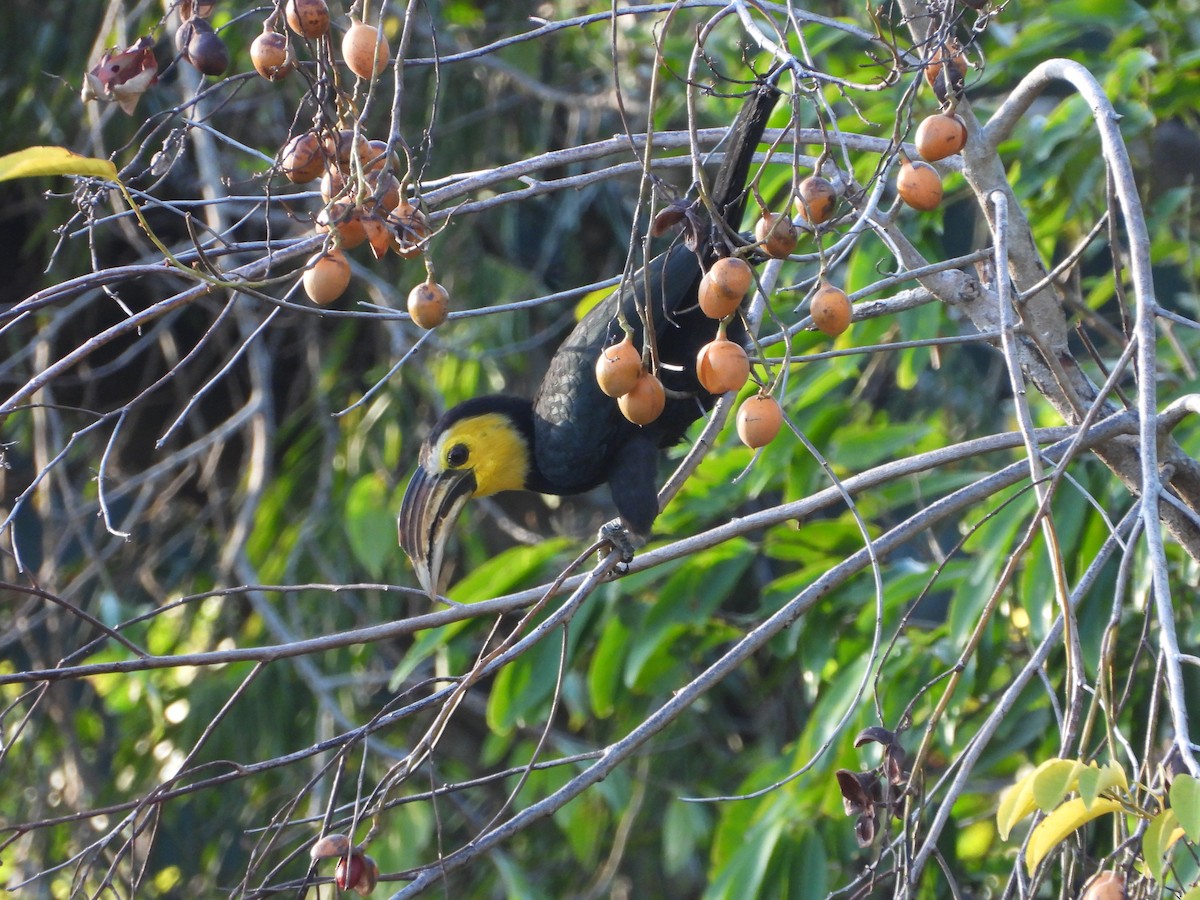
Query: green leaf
{"points": [[1094, 780], [34, 161], [524, 685], [685, 826], [743, 875], [371, 523], [505, 572], [1053, 780], [1185, 800], [604, 674], [1161, 834]]}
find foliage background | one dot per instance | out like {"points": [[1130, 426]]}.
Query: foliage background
{"points": [[263, 485]]}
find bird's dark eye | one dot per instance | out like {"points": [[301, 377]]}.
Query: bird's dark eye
{"points": [[458, 455]]}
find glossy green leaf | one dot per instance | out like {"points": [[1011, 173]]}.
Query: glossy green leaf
{"points": [[1185, 801]]}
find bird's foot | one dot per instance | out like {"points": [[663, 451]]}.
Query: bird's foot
{"points": [[618, 537]]}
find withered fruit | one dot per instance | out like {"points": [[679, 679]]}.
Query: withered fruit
{"points": [[327, 277], [722, 365], [428, 304], [776, 234], [947, 71], [203, 8], [940, 135], [184, 33], [302, 160], [379, 236], [207, 52], [410, 228], [724, 285], [618, 368], [269, 55], [758, 420], [308, 18], [364, 49], [817, 198], [645, 402], [919, 185], [830, 309], [358, 873]]}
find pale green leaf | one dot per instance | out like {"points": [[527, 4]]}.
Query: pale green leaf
{"points": [[1053, 780], [1161, 834], [1095, 780]]}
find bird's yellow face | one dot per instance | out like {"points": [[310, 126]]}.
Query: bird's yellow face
{"points": [[472, 456], [489, 446]]}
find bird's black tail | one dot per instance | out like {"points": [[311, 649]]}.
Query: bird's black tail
{"points": [[728, 192]]}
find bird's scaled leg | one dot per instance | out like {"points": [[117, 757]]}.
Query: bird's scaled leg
{"points": [[618, 536], [635, 497]]}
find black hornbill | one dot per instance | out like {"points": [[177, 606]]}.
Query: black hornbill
{"points": [[571, 437]]}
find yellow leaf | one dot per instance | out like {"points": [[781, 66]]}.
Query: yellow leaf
{"points": [[590, 299], [34, 161], [1049, 832], [1015, 804]]}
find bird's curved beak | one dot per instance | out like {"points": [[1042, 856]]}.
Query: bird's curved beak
{"points": [[431, 504]]}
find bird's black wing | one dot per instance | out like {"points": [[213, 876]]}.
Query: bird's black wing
{"points": [[580, 432]]}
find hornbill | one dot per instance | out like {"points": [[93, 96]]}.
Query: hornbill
{"points": [[571, 437]]}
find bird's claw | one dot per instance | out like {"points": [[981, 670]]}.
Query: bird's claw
{"points": [[618, 537]]}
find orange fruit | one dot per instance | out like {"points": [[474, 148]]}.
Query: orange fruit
{"points": [[327, 277], [722, 365], [817, 198], [269, 54], [365, 49], [919, 185], [428, 304], [645, 402], [618, 368], [777, 235], [830, 309], [724, 285], [940, 136], [301, 160], [758, 420], [308, 18]]}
